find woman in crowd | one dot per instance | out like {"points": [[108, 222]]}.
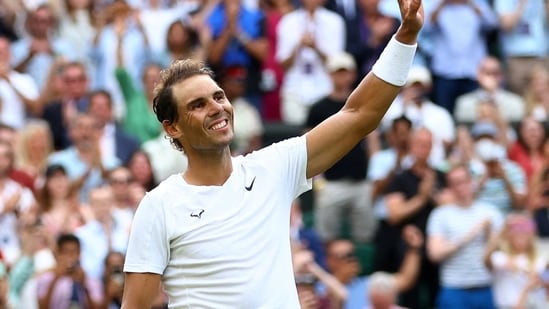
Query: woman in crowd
{"points": [[516, 264]]}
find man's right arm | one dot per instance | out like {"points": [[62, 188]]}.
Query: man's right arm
{"points": [[140, 290]]}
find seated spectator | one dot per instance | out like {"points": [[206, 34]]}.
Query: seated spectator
{"points": [[34, 146], [515, 262], [457, 233], [413, 103], [68, 284], [383, 291], [536, 94], [74, 100], [59, 208], [499, 181], [84, 161], [114, 141], [344, 266], [77, 27], [113, 280], [527, 151], [121, 180], [10, 136], [490, 78], [105, 230], [141, 170]]}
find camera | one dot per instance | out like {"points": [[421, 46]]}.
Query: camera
{"points": [[117, 276]]}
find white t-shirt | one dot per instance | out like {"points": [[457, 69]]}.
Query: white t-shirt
{"points": [[509, 283], [224, 246]]}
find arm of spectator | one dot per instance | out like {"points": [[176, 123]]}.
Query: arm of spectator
{"points": [[336, 290], [534, 281], [257, 48], [140, 290], [439, 248], [31, 105], [45, 300], [434, 15], [509, 20], [400, 208], [407, 274]]}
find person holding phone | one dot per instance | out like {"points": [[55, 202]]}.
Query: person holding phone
{"points": [[67, 286]]}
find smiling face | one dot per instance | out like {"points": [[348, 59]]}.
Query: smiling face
{"points": [[205, 122]]}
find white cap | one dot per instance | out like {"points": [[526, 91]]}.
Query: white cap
{"points": [[419, 74], [340, 61]]}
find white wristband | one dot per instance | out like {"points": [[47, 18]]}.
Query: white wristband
{"points": [[395, 62]]}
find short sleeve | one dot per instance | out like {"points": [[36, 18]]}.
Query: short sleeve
{"points": [[148, 245]]}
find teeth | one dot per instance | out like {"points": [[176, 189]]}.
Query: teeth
{"points": [[219, 125]]}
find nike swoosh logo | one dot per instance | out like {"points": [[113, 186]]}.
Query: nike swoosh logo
{"points": [[249, 188]]}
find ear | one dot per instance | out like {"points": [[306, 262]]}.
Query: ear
{"points": [[171, 129]]}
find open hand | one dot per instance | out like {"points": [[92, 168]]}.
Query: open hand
{"points": [[412, 15]]}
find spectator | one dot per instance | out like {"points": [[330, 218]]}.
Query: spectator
{"points": [[10, 136], [375, 29], [410, 198], [114, 142], [490, 79], [59, 209], [121, 181], [500, 181], [165, 160], [113, 280], [103, 232], [139, 120], [77, 27], [122, 27], [8, 16], [36, 53], [308, 275], [344, 266], [413, 102], [60, 113], [68, 284], [523, 38], [141, 169], [34, 146], [272, 73], [540, 203], [515, 262], [18, 91], [17, 207], [342, 189], [238, 40], [84, 161], [536, 93], [458, 31], [157, 18], [248, 129], [383, 167], [527, 151], [306, 37], [305, 237], [457, 233], [183, 40]]}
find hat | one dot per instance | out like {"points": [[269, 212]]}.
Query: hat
{"points": [[340, 61], [419, 74], [54, 168], [484, 128]]}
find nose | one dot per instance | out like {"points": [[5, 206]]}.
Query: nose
{"points": [[214, 107]]}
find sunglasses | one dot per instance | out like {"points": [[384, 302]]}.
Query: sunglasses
{"points": [[347, 256]]}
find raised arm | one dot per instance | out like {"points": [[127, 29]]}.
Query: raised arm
{"points": [[337, 135]]}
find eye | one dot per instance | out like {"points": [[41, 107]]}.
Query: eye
{"points": [[219, 96], [197, 105]]}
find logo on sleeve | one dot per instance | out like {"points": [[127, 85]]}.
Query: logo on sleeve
{"points": [[197, 213]]}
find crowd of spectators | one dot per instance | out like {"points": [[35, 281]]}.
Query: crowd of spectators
{"points": [[450, 193]]}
